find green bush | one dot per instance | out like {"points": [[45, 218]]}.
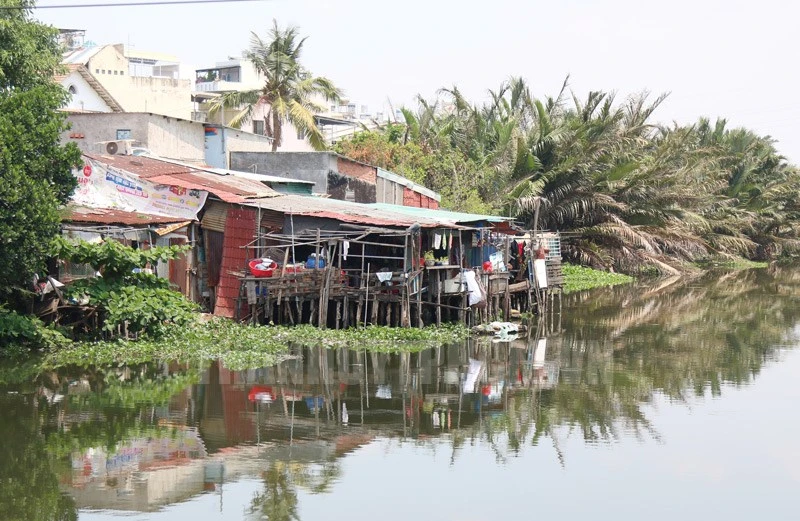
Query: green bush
{"points": [[21, 331], [126, 297]]}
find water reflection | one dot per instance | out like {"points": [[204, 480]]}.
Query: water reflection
{"points": [[137, 439]]}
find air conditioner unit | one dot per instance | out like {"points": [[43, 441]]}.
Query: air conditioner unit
{"points": [[118, 148]]}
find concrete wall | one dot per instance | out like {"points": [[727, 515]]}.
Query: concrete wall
{"points": [[85, 97], [240, 141], [163, 136], [221, 141], [176, 138], [346, 188], [171, 97], [305, 166], [389, 192]]}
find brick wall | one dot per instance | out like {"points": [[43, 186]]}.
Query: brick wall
{"points": [[418, 200], [357, 170], [239, 231]]}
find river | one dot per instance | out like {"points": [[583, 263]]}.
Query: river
{"points": [[673, 400]]}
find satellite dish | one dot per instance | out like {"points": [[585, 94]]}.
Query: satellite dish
{"points": [[112, 147]]}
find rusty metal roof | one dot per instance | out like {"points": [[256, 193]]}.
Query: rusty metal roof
{"points": [[346, 211], [82, 214], [229, 188]]}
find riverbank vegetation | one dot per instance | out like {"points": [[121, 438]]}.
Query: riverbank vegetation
{"points": [[240, 346], [636, 195], [579, 278]]}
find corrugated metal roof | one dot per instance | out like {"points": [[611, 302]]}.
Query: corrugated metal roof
{"points": [[264, 178], [83, 214], [82, 55], [346, 211], [229, 188], [440, 215]]}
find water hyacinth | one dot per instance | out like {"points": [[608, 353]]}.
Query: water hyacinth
{"points": [[240, 346]]}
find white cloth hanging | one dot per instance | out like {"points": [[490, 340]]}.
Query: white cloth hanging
{"points": [[384, 276], [345, 249], [474, 288], [437, 241]]}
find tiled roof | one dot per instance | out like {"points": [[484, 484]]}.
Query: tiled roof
{"points": [[69, 68]]}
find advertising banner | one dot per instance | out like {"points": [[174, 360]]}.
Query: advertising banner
{"points": [[102, 186]]}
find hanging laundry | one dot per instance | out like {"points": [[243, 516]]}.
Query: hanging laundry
{"points": [[435, 418], [345, 249], [384, 276], [437, 241]]}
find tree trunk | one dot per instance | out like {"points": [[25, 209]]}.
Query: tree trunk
{"points": [[277, 131]]}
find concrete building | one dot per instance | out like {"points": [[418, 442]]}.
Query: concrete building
{"points": [[339, 177], [162, 136], [138, 81]]}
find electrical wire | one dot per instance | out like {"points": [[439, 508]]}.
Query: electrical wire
{"points": [[123, 4]]}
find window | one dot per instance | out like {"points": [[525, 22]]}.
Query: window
{"points": [[258, 126], [72, 89], [116, 72], [301, 134], [122, 73], [97, 71], [124, 133]]}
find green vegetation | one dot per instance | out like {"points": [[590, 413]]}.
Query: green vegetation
{"points": [[579, 278], [26, 332], [733, 264], [636, 195], [35, 169], [289, 93], [128, 299], [240, 346]]}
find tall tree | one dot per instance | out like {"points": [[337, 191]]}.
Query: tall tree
{"points": [[290, 91], [35, 169]]}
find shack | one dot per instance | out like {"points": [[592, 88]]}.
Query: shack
{"points": [[335, 263]]}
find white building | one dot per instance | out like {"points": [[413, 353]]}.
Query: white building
{"points": [[126, 80]]}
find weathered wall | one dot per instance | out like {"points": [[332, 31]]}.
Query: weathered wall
{"points": [[357, 170], [418, 200], [306, 166], [85, 97], [347, 188], [240, 141], [389, 192], [168, 96], [163, 136]]}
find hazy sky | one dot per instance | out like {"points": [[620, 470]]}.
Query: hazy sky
{"points": [[730, 58]]}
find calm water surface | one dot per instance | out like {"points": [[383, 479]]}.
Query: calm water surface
{"points": [[675, 401]]}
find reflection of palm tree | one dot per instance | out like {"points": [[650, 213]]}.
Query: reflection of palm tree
{"points": [[628, 344], [278, 501]]}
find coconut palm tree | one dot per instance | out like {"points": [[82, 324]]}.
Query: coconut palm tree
{"points": [[290, 92]]}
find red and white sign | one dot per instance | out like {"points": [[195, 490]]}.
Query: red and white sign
{"points": [[101, 186]]}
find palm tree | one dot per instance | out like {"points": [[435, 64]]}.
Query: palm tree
{"points": [[290, 92]]}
